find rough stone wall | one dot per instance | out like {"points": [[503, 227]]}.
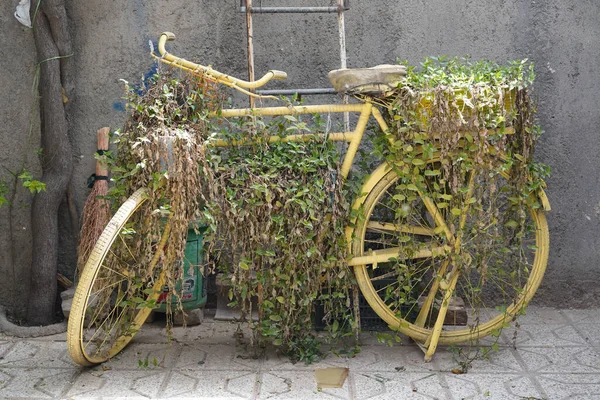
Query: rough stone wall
{"points": [[111, 42]]}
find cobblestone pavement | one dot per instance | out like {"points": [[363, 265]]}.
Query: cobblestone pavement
{"points": [[556, 355]]}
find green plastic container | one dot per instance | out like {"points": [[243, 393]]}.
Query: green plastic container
{"points": [[193, 282]]}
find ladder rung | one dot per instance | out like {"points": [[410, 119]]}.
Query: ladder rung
{"points": [[301, 92], [275, 10], [282, 9]]}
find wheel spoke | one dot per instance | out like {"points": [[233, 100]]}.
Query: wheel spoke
{"points": [[108, 287], [127, 247], [396, 253], [386, 227], [112, 253], [100, 308], [99, 328], [107, 335]]}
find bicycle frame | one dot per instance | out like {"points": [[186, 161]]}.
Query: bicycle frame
{"points": [[366, 109], [353, 138]]}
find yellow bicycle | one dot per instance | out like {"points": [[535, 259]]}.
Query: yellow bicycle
{"points": [[103, 320]]}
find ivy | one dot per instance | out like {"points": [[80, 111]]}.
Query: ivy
{"points": [[462, 135], [161, 147], [281, 209], [275, 211]]}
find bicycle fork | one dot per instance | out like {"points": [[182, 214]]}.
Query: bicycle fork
{"points": [[446, 285]]}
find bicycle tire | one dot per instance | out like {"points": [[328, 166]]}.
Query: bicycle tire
{"points": [[376, 188], [87, 317]]}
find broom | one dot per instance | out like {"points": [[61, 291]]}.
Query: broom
{"points": [[96, 212]]}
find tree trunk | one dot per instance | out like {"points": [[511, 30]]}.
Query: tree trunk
{"points": [[53, 45]]}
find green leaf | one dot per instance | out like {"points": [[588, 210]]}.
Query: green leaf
{"points": [[335, 326], [438, 229], [25, 175], [244, 266]]}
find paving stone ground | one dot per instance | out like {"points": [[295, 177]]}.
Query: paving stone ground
{"points": [[556, 355]]}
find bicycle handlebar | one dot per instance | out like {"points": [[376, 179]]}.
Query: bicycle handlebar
{"points": [[219, 76]]}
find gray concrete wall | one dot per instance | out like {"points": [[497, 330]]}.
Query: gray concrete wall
{"points": [[111, 42]]}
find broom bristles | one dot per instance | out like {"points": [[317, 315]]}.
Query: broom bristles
{"points": [[96, 214]]}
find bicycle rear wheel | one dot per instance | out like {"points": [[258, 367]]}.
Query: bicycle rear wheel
{"points": [[406, 290], [119, 286]]}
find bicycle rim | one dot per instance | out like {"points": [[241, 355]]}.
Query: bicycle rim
{"points": [[396, 294], [110, 304]]}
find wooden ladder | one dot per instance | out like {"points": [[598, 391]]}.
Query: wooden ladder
{"points": [[247, 7]]}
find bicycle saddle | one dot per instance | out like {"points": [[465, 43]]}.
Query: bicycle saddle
{"points": [[376, 81]]}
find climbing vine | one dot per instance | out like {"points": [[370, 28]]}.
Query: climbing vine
{"points": [[461, 134], [461, 141], [279, 209], [161, 147]]}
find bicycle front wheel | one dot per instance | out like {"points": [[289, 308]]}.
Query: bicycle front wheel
{"points": [[119, 286], [407, 288]]}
